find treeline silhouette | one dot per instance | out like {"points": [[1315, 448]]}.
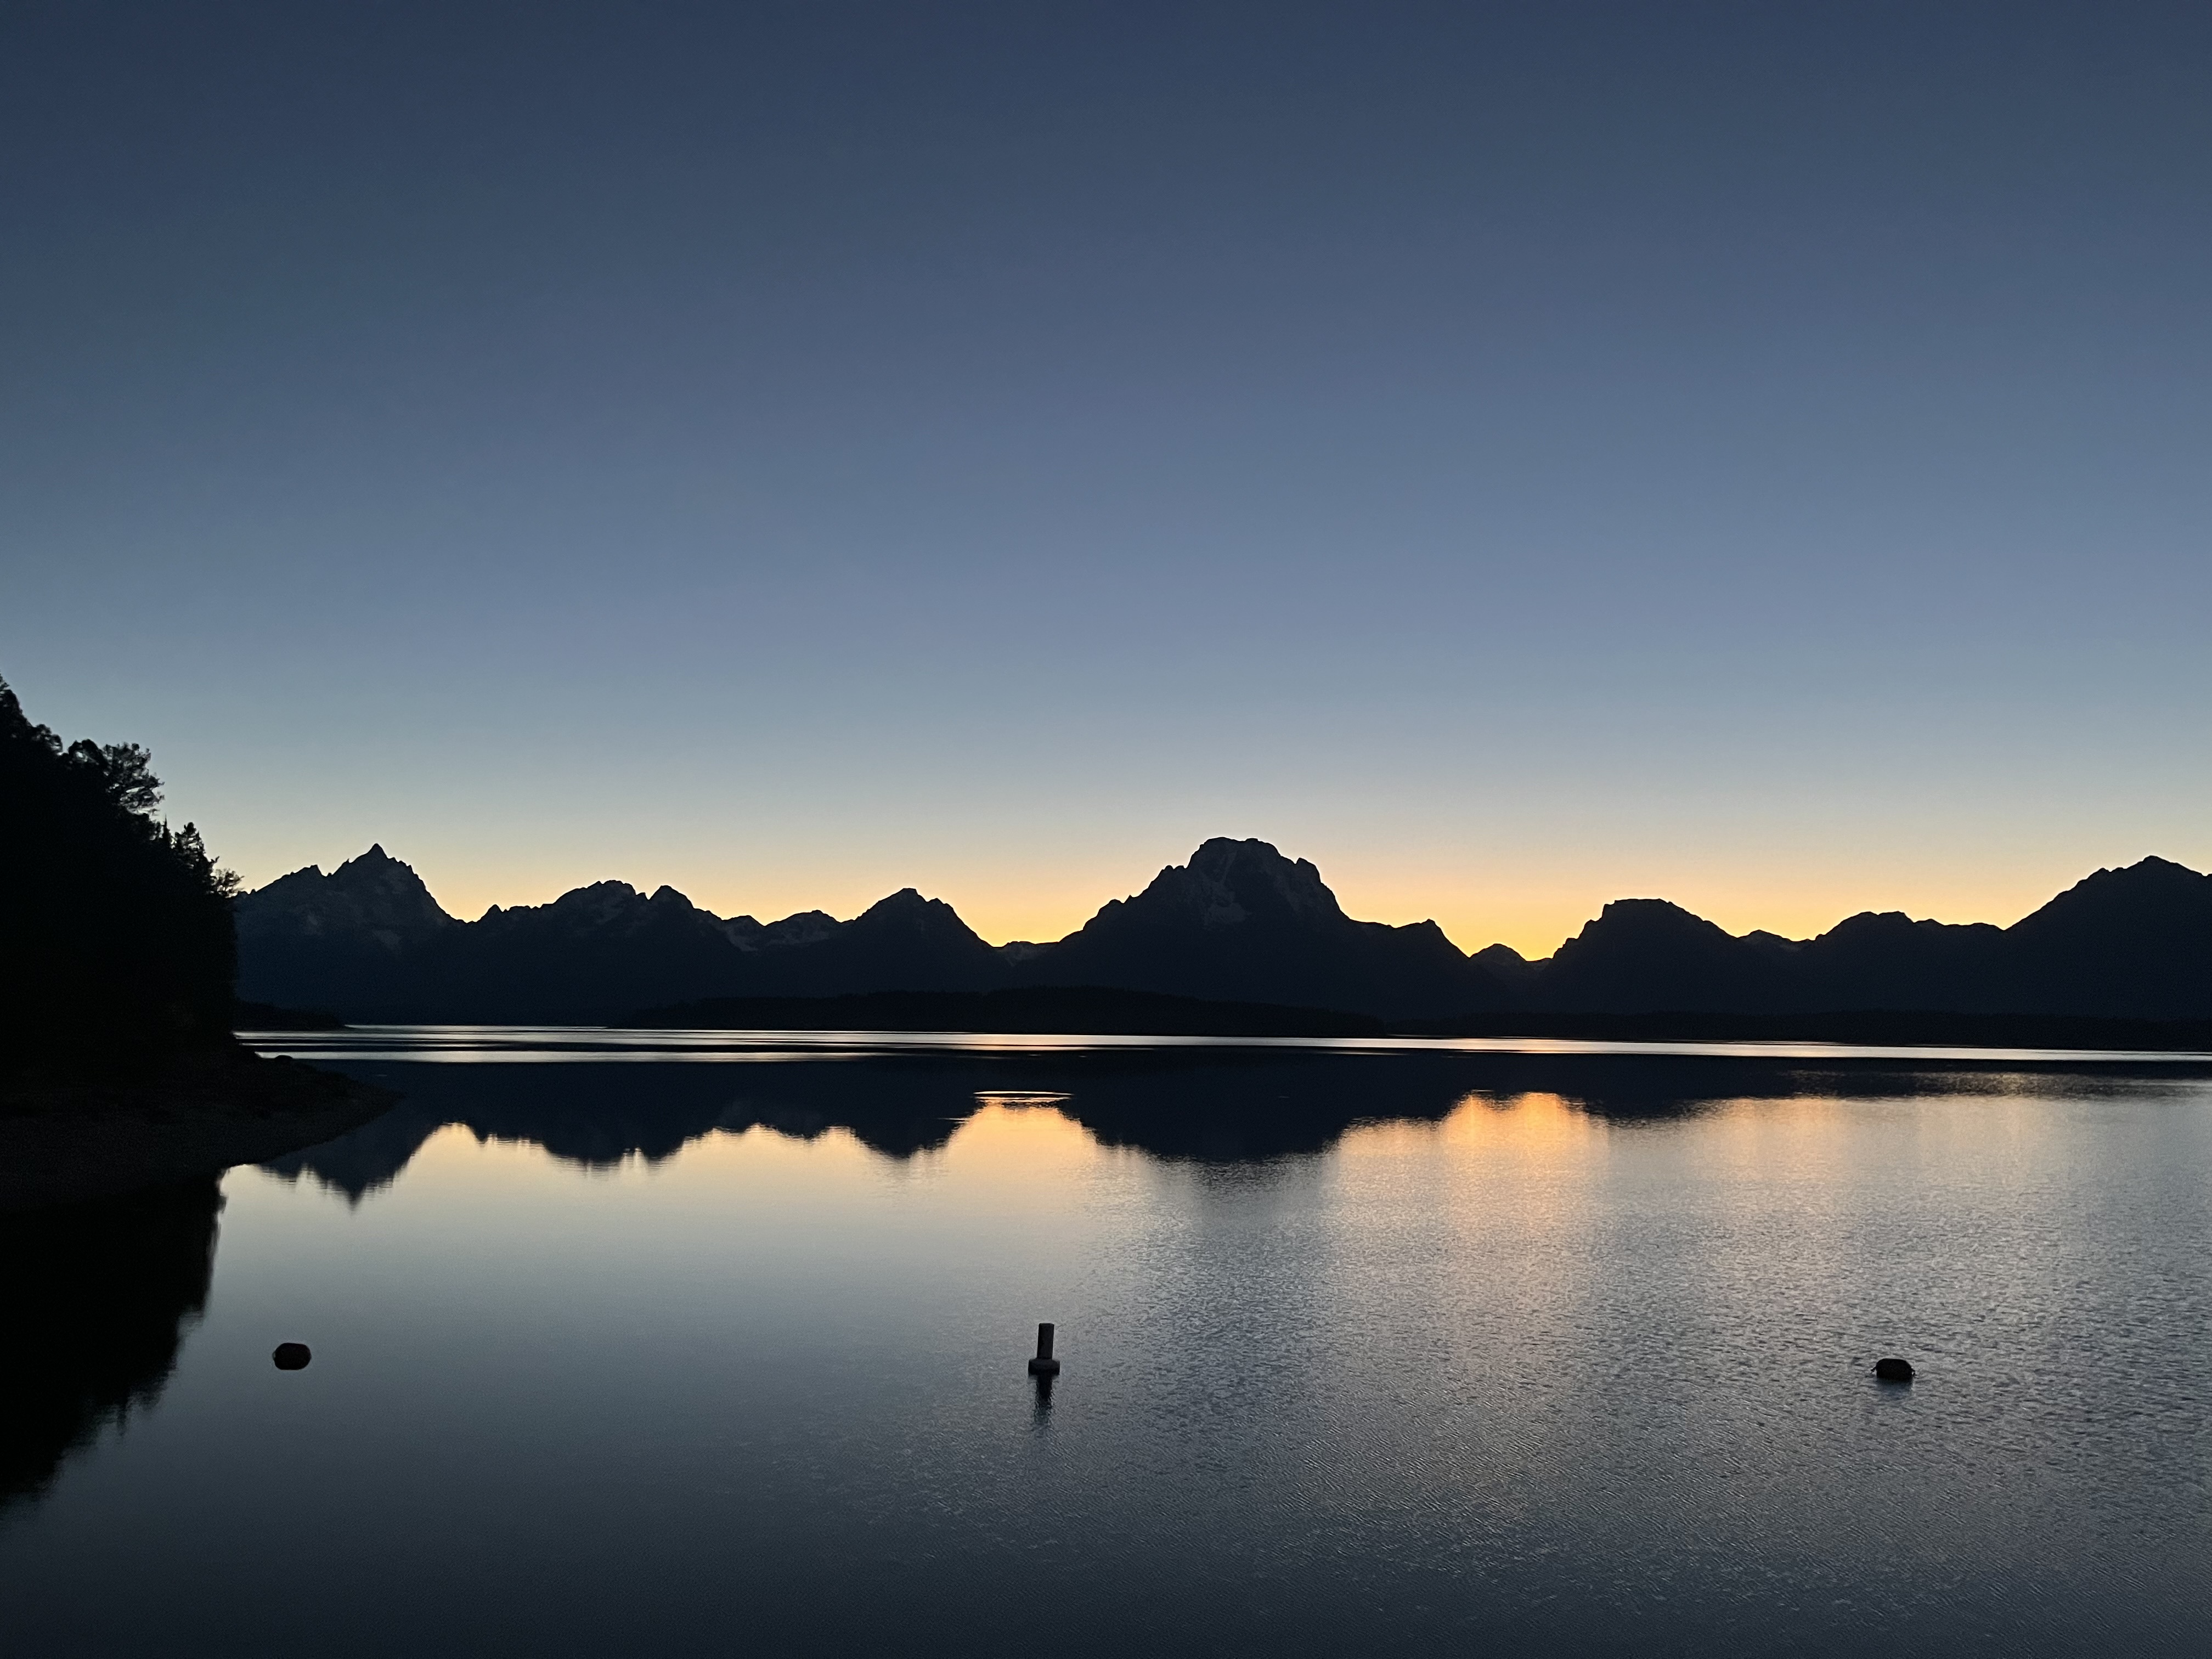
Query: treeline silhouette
{"points": [[116, 927]]}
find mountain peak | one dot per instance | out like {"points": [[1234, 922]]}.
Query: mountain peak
{"points": [[1651, 917], [374, 897], [1644, 954], [1240, 920], [908, 911], [375, 863], [598, 891], [2151, 874], [1228, 882], [2149, 889]]}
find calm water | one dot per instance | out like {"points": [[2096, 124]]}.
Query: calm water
{"points": [[716, 1345]]}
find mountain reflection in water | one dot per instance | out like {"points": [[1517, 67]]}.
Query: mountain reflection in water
{"points": [[1396, 1354], [1206, 1104]]}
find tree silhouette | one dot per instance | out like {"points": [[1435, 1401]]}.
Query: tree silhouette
{"points": [[115, 928]]}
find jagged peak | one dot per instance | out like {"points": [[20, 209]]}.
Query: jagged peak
{"points": [[374, 887], [375, 861]]}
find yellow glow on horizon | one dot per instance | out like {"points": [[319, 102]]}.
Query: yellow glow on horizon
{"points": [[1532, 919], [1531, 900]]}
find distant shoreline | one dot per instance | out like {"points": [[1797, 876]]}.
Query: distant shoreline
{"points": [[1082, 1011], [1875, 1028], [1029, 1010]]}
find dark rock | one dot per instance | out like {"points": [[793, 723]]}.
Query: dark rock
{"points": [[1894, 1369], [294, 1356]]}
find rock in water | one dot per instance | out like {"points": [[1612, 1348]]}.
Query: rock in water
{"points": [[1894, 1369], [294, 1357]]}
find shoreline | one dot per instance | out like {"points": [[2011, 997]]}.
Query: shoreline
{"points": [[1100, 1012], [66, 1140]]}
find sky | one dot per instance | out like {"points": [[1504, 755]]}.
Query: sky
{"points": [[1514, 456]]}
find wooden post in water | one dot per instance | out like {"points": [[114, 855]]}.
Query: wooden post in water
{"points": [[1044, 1364]]}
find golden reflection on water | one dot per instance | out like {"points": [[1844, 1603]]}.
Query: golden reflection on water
{"points": [[1532, 1164], [1525, 1124]]}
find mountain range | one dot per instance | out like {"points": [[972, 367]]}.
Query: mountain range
{"points": [[1239, 922]]}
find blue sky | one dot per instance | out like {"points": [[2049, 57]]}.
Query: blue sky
{"points": [[1515, 457]]}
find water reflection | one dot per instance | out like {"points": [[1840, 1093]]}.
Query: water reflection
{"points": [[1556, 1354], [1212, 1107], [99, 1298]]}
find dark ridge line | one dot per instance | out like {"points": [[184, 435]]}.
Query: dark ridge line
{"points": [[1103, 1012], [1085, 1010], [1869, 1028]]}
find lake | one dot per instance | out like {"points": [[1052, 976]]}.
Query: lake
{"points": [[632, 1343]]}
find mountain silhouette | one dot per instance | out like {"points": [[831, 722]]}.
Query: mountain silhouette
{"points": [[904, 943], [1646, 953], [591, 950], [2132, 942], [369, 940], [1239, 923], [336, 940], [1888, 960]]}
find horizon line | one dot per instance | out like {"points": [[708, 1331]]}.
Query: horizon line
{"points": [[747, 913]]}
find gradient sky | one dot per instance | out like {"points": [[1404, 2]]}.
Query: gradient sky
{"points": [[1518, 456]]}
